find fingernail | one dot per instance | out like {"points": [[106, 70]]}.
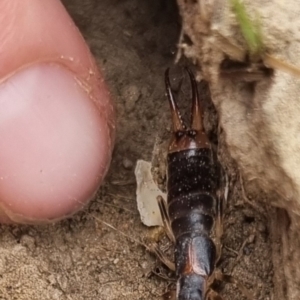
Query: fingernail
{"points": [[54, 143]]}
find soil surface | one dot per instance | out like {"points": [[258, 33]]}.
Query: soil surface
{"points": [[83, 258]]}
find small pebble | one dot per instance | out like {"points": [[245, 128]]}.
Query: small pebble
{"points": [[116, 261], [28, 242], [145, 265], [127, 163], [131, 94], [52, 279]]}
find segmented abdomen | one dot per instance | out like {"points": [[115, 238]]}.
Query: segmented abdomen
{"points": [[192, 185]]}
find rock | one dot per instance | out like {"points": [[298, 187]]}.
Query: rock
{"points": [[260, 118]]}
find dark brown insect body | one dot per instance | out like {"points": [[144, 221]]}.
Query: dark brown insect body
{"points": [[192, 203]]}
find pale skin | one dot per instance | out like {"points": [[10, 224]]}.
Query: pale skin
{"points": [[57, 119]]}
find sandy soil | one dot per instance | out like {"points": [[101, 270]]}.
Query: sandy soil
{"points": [[82, 258]]}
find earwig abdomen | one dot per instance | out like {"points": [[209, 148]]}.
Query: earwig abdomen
{"points": [[190, 287], [192, 184]]}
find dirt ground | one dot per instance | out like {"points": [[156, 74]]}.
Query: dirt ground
{"points": [[82, 258]]}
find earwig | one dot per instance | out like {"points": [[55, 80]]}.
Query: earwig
{"points": [[193, 207]]}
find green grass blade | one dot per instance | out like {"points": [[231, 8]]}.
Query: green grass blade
{"points": [[250, 29]]}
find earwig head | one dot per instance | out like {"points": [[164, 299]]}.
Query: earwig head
{"points": [[186, 138]]}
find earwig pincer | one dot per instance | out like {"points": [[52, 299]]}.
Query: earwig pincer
{"points": [[192, 210]]}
